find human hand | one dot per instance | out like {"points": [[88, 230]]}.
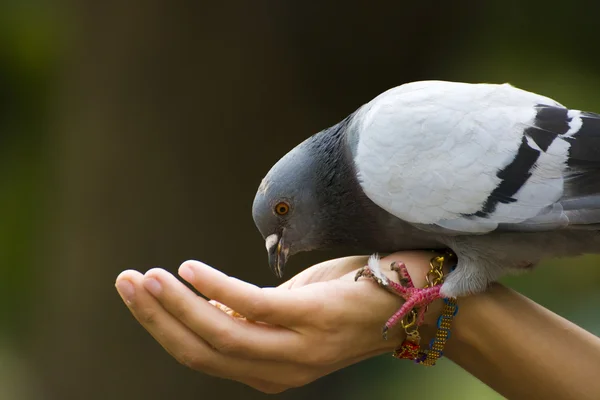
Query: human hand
{"points": [[319, 321]]}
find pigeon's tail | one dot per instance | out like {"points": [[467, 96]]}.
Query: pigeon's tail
{"points": [[581, 201]]}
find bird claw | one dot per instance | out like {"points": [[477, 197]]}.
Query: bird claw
{"points": [[364, 271], [416, 299], [384, 332], [367, 272], [400, 269]]}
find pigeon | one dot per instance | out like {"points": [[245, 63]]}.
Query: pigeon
{"points": [[500, 176]]}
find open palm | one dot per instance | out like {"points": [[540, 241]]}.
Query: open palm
{"points": [[319, 321]]}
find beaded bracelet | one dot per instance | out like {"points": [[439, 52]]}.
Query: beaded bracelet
{"points": [[410, 347], [436, 346]]}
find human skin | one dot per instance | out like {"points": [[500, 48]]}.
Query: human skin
{"points": [[321, 320]]}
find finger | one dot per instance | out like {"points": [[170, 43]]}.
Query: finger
{"points": [[226, 334], [193, 352], [175, 338], [272, 305]]}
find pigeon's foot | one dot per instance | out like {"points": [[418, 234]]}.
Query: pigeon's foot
{"points": [[415, 298]]}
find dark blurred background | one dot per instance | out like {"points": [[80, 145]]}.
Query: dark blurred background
{"points": [[134, 133]]}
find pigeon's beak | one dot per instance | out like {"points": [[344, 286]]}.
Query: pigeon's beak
{"points": [[278, 252]]}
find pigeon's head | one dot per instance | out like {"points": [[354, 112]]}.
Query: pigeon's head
{"points": [[286, 209], [311, 199]]}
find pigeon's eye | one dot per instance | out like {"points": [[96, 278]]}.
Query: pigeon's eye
{"points": [[282, 208]]}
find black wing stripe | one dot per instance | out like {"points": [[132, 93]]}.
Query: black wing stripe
{"points": [[513, 177], [550, 123]]}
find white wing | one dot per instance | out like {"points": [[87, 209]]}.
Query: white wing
{"points": [[465, 157]]}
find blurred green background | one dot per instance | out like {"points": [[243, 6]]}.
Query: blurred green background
{"points": [[134, 134]]}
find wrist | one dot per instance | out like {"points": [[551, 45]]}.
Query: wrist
{"points": [[477, 315]]}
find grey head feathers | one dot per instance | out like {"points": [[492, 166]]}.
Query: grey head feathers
{"points": [[316, 179]]}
